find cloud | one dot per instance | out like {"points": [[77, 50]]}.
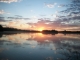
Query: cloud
{"points": [[2, 19], [49, 5], [59, 23], [17, 18], [46, 24], [3, 12], [15, 22], [70, 19], [71, 16], [9, 1], [74, 15], [53, 15], [18, 25], [44, 19], [61, 5]]}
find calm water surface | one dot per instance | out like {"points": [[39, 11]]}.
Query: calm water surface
{"points": [[38, 46]]}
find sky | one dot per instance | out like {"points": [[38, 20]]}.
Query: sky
{"points": [[40, 14]]}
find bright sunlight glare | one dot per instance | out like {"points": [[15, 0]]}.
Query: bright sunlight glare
{"points": [[41, 29]]}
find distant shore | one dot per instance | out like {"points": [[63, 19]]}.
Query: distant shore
{"points": [[7, 30], [43, 32]]}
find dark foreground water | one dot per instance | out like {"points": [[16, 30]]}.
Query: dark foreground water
{"points": [[38, 46]]}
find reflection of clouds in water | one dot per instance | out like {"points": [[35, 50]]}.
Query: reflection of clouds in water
{"points": [[49, 58], [46, 40], [43, 39], [57, 43], [72, 36], [31, 39], [2, 49], [53, 48], [71, 42], [33, 46], [13, 38]]}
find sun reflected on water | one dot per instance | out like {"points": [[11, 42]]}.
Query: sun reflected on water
{"points": [[40, 45]]}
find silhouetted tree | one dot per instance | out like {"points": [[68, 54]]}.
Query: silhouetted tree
{"points": [[1, 28]]}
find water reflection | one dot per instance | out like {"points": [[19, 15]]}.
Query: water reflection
{"points": [[38, 46]]}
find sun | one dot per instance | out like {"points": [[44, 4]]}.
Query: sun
{"points": [[41, 29]]}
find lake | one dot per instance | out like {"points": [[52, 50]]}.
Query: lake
{"points": [[38, 46]]}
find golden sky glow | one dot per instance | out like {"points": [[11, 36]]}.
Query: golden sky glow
{"points": [[41, 28]]}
